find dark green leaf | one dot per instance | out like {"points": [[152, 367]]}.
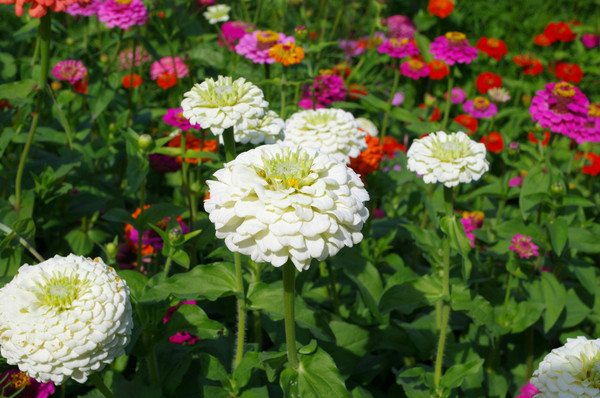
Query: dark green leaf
{"points": [[19, 89], [454, 376], [558, 230]]}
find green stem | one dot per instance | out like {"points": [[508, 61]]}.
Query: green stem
{"points": [[229, 144], [448, 99], [334, 296], [45, 30], [141, 225], [282, 113], [151, 357], [9, 231], [257, 12], [99, 383], [389, 105], [506, 297], [338, 17], [114, 54], [289, 274], [241, 300], [168, 263]]}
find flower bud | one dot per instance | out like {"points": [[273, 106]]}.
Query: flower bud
{"points": [[557, 189], [145, 142], [430, 100], [176, 236], [55, 86], [513, 148], [300, 33], [111, 249], [69, 41], [104, 58]]}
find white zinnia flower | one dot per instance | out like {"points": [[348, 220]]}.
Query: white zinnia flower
{"points": [[278, 202], [368, 126], [268, 130], [65, 317], [498, 94], [332, 131], [217, 13], [218, 105], [571, 371], [447, 158]]}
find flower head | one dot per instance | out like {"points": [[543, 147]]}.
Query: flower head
{"points": [[65, 317], [468, 122], [217, 13], [268, 130], [39, 7], [471, 221], [163, 164], [415, 68], [440, 8], [518, 180], [447, 158], [480, 107], [369, 159], [232, 32], [531, 66], [174, 117], [487, 80], [569, 72], [590, 40], [457, 95], [255, 45], [221, 104], [287, 53], [332, 131], [173, 65], [123, 14], [398, 47], [91, 8], [328, 88], [528, 391], [391, 147], [562, 108], [69, 70], [277, 203], [593, 164], [13, 380], [127, 59], [523, 246], [498, 94], [400, 26], [438, 69], [453, 47], [493, 142], [590, 132], [571, 370], [559, 31], [131, 81], [491, 47]]}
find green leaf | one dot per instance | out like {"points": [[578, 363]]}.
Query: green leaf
{"points": [[367, 279], [584, 240], [431, 287], [477, 308], [577, 311], [534, 189], [243, 371], [192, 319], [317, 376], [17, 90], [458, 242], [212, 369], [98, 103], [586, 275], [272, 363], [454, 376], [136, 282], [403, 298], [554, 294], [526, 314], [82, 242], [559, 231], [9, 67]]}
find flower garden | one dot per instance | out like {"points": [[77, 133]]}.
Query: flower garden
{"points": [[300, 198]]}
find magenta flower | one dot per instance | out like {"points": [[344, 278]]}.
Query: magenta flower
{"points": [[69, 70], [457, 97], [174, 117], [528, 391], [84, 11], [255, 46], [13, 380], [590, 40], [329, 88], [163, 164], [174, 65], [306, 102], [414, 68], [562, 108], [398, 48], [590, 132], [453, 48], [351, 48], [126, 58], [400, 26], [233, 31], [472, 221], [517, 181], [183, 338], [480, 108], [398, 99], [123, 15], [174, 308], [523, 246]]}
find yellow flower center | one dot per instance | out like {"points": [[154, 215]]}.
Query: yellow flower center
{"points": [[395, 42], [451, 150], [564, 89], [267, 36], [124, 2], [494, 43], [455, 37], [221, 96], [594, 110], [591, 370], [481, 103], [290, 169], [60, 290], [19, 380], [415, 63]]}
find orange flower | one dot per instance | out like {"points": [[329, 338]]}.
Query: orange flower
{"points": [[146, 249], [438, 69], [440, 8], [287, 54], [357, 90], [531, 66], [543, 40], [391, 146], [493, 142], [194, 144], [166, 80], [39, 7], [469, 122], [131, 81], [369, 159], [531, 137], [492, 47]]}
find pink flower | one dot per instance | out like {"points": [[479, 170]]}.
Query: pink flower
{"points": [[174, 117], [13, 379], [123, 15], [480, 108], [69, 70], [85, 11], [414, 68], [472, 221], [518, 180], [233, 31], [256, 45], [523, 246], [398, 99], [328, 88], [166, 65], [590, 40], [457, 97], [453, 48], [398, 48], [163, 164], [590, 132], [205, 3], [400, 26], [378, 213], [528, 391], [183, 338], [126, 56], [562, 108], [174, 308]]}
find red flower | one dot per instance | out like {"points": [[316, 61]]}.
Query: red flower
{"points": [[357, 90], [194, 144], [5, 104], [569, 72], [435, 115], [531, 66], [559, 31], [492, 47], [81, 86], [531, 137], [440, 8], [166, 80], [493, 142], [391, 146], [487, 80], [438, 69], [342, 69], [543, 40], [132, 81], [469, 122], [594, 168]]}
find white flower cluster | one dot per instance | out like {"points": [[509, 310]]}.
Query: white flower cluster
{"points": [[268, 130], [65, 317], [570, 371], [218, 105], [332, 131], [217, 13], [278, 202], [447, 158]]}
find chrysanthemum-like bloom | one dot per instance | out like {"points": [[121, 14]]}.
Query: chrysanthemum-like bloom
{"points": [[175, 118], [562, 108], [268, 130], [174, 65], [39, 7], [14, 380], [590, 40], [85, 11], [523, 246], [124, 14], [590, 132], [256, 45], [453, 48], [368, 161], [572, 370], [468, 122], [217, 105], [400, 26], [415, 68], [126, 57], [480, 107], [367, 126], [437, 69], [498, 94], [332, 131], [163, 164], [486, 81], [492, 47], [559, 31], [518, 180], [493, 142], [471, 221], [277, 203], [569, 72], [457, 95], [440, 8], [69, 70], [287, 53], [328, 88], [398, 48], [447, 158], [65, 317], [217, 13], [232, 32]]}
